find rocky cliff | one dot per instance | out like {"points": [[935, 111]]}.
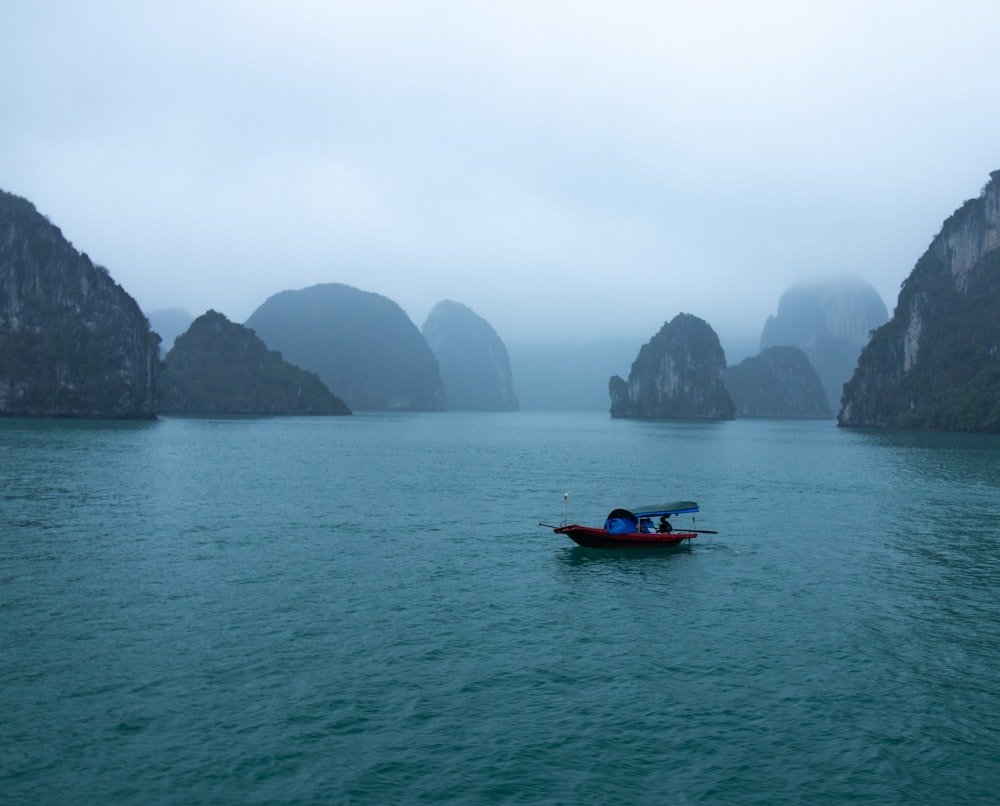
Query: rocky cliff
{"points": [[475, 366], [218, 367], [936, 364], [830, 319], [780, 382], [677, 374], [73, 343], [362, 345]]}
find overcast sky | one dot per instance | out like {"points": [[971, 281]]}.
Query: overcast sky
{"points": [[567, 169]]}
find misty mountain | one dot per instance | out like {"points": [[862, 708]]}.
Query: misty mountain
{"points": [[362, 345], [936, 364], [218, 367], [677, 374], [475, 366], [169, 323], [830, 319], [780, 382], [73, 343]]}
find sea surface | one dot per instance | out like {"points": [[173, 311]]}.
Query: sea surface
{"points": [[365, 610]]}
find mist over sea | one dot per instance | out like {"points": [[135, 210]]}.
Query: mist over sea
{"points": [[364, 610]]}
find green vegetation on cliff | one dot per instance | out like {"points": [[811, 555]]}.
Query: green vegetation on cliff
{"points": [[73, 343], [218, 367], [936, 364], [677, 374]]}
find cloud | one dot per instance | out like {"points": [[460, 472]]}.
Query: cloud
{"points": [[532, 160]]}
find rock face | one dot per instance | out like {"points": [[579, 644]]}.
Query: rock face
{"points": [[830, 319], [218, 367], [936, 364], [362, 345], [475, 366], [676, 375], [780, 382], [73, 343]]}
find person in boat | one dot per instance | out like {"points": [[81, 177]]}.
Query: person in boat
{"points": [[646, 525], [665, 524]]}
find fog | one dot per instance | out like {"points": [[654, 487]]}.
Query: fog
{"points": [[572, 171]]}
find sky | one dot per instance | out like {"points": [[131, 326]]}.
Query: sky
{"points": [[570, 170]]}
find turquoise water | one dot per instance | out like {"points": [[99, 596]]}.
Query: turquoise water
{"points": [[364, 610]]}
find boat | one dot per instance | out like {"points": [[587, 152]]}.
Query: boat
{"points": [[635, 528]]}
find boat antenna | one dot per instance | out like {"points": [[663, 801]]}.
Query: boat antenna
{"points": [[565, 508]]}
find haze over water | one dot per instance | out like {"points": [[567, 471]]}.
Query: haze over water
{"points": [[364, 610]]}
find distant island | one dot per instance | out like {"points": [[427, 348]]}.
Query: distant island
{"points": [[780, 382], [677, 374], [73, 343], [362, 345], [474, 363], [218, 367], [830, 319]]}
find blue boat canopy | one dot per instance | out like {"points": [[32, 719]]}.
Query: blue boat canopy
{"points": [[621, 522], [673, 508]]}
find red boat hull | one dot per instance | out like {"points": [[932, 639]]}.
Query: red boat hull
{"points": [[602, 539]]}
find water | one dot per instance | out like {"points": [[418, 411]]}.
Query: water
{"points": [[364, 611]]}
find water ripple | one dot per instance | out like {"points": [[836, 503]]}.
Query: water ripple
{"points": [[232, 611]]}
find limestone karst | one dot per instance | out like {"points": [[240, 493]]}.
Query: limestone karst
{"points": [[677, 374], [936, 364], [830, 319], [73, 343], [780, 382], [475, 366], [219, 367], [362, 345]]}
